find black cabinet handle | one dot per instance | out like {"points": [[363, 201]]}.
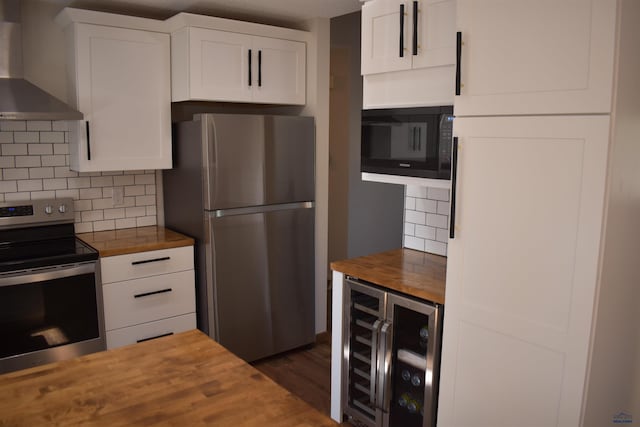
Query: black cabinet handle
{"points": [[415, 28], [259, 68], [88, 140], [458, 56], [401, 30], [454, 176], [146, 294], [249, 67], [146, 261], [153, 338]]}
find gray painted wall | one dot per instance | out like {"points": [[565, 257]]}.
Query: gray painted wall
{"points": [[374, 210]]}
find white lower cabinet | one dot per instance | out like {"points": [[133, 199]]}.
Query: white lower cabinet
{"points": [[148, 295]]}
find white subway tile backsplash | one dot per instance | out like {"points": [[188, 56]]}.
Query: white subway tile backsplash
{"points": [[82, 205], [42, 195], [30, 185], [35, 173], [38, 125], [14, 149], [135, 212], [426, 225], [14, 197], [438, 194], [425, 232], [55, 184], [145, 200], [83, 227], [54, 137], [150, 189], [60, 125], [102, 181], [134, 190], [125, 223], [415, 217], [145, 179], [61, 149], [414, 243], [74, 194], [102, 203], [439, 221], [79, 182], [28, 161], [7, 162], [25, 137], [19, 173], [8, 186], [104, 225], [6, 137], [55, 160], [425, 205], [146, 221], [152, 210], [91, 193], [13, 125], [64, 172], [416, 191], [40, 149], [120, 181], [114, 213], [92, 216]]}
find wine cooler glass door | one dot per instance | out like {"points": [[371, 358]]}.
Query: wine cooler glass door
{"points": [[364, 308], [411, 384]]}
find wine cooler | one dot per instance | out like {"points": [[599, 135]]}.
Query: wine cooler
{"points": [[391, 358]]}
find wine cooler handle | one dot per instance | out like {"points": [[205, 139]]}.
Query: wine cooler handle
{"points": [[384, 368], [375, 333]]}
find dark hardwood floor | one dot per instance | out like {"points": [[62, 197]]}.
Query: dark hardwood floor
{"points": [[305, 372]]}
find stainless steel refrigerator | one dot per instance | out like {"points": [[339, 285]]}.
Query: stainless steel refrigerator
{"points": [[244, 186]]}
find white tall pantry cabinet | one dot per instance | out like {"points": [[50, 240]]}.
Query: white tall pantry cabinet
{"points": [[543, 274]]}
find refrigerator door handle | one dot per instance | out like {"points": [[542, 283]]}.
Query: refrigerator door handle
{"points": [[210, 156], [262, 209], [384, 368], [375, 333]]}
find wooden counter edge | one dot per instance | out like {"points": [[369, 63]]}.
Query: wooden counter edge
{"points": [[129, 246]]}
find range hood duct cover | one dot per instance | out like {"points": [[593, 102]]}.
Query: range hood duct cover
{"points": [[20, 99]]}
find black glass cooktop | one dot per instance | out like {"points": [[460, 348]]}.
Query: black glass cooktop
{"points": [[35, 247]]}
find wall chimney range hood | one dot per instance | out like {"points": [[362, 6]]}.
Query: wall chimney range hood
{"points": [[20, 99]]}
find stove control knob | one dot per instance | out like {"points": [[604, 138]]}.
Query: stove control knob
{"points": [[62, 208], [48, 209]]}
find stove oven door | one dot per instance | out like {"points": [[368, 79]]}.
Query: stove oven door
{"points": [[49, 314]]}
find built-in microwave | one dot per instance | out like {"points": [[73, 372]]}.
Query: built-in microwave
{"points": [[407, 141]]}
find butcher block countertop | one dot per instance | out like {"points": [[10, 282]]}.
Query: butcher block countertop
{"points": [[132, 240], [181, 380], [415, 273]]}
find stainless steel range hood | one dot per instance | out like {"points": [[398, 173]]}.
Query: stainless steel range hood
{"points": [[19, 99]]}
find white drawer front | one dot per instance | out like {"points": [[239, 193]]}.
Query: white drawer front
{"points": [[133, 334], [145, 264], [150, 298]]}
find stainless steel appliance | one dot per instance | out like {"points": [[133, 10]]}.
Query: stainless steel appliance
{"points": [[244, 187], [50, 290], [407, 141], [391, 358]]}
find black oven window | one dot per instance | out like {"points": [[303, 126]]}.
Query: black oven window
{"points": [[47, 314]]}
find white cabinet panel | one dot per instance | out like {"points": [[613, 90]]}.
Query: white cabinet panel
{"points": [[544, 57], [380, 42], [148, 299], [144, 264], [213, 65], [120, 81], [436, 35], [522, 268], [146, 331]]}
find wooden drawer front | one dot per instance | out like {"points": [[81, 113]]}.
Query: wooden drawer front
{"points": [[133, 334], [145, 264], [150, 298]]}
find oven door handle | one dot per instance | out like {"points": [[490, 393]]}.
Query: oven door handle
{"points": [[24, 277]]}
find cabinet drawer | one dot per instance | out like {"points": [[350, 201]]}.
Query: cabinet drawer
{"points": [[145, 264], [150, 298], [146, 331]]}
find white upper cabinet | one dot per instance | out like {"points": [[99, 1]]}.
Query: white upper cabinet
{"points": [[535, 57], [119, 79], [213, 65], [404, 35]]}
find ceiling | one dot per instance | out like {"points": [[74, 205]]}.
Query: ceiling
{"points": [[265, 11]]}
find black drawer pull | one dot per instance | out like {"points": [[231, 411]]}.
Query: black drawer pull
{"points": [[145, 261], [146, 294], [458, 60], [153, 338], [454, 179]]}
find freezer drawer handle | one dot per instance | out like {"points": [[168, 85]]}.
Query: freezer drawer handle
{"points": [[146, 261], [146, 294], [153, 338]]}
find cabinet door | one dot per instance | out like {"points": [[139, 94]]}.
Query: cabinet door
{"points": [[524, 57], [219, 65], [123, 89], [436, 34], [382, 35], [279, 72], [522, 270]]}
